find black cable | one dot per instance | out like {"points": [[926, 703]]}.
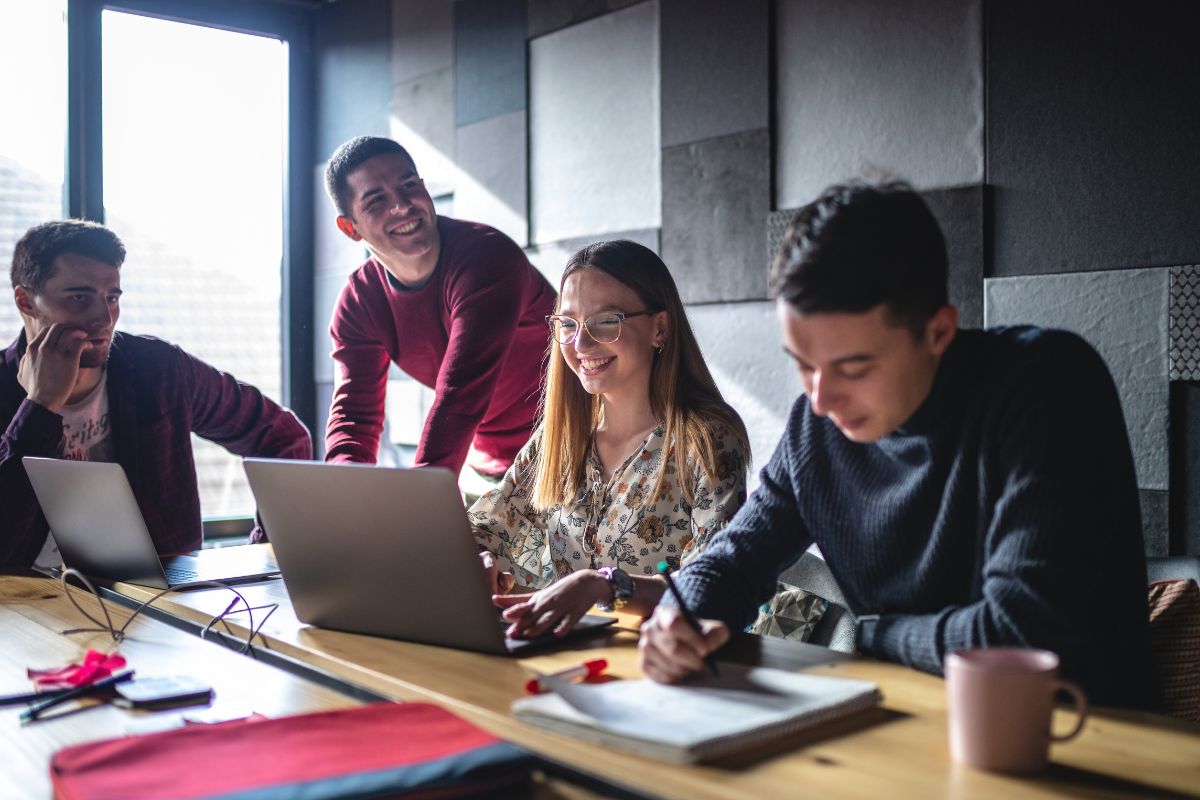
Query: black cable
{"points": [[118, 635]]}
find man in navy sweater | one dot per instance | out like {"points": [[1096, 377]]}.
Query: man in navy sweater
{"points": [[967, 488]]}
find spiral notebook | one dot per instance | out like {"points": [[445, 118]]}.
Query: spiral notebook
{"points": [[706, 718]]}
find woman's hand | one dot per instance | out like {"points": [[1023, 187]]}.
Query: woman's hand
{"points": [[557, 607], [498, 582]]}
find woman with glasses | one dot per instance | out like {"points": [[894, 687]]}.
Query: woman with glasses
{"points": [[637, 458]]}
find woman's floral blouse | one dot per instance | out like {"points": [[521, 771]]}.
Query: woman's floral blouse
{"points": [[613, 523]]}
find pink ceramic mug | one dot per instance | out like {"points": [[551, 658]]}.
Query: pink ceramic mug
{"points": [[1000, 700]]}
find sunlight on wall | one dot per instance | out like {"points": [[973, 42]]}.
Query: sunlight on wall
{"points": [[443, 176]]}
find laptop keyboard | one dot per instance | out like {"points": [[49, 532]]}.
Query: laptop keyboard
{"points": [[177, 574]]}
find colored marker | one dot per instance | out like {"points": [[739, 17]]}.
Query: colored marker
{"points": [[588, 669]]}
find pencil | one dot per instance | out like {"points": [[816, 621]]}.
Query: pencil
{"points": [[664, 569]]}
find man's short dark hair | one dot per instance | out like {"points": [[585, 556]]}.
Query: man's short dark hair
{"points": [[859, 245], [34, 254], [347, 158]]}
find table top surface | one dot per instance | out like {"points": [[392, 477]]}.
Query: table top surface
{"points": [[38, 626], [34, 614], [899, 749]]}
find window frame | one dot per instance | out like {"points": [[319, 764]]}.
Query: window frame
{"points": [[288, 20]]}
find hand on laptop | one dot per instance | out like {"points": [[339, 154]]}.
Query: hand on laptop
{"points": [[671, 650], [51, 364], [498, 582], [557, 607]]}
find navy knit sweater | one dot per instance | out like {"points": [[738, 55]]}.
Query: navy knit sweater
{"points": [[1004, 512]]}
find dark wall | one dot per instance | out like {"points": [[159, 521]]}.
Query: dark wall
{"points": [[1080, 216], [354, 72], [1093, 126], [1094, 176]]}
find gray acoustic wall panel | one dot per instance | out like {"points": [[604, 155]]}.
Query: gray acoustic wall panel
{"points": [[492, 179], [1092, 135], [877, 85], [715, 75], [742, 346], [1123, 315], [1185, 323], [778, 223], [551, 258], [328, 287], [959, 212], [324, 400], [422, 120], [335, 257], [353, 72], [1185, 468], [489, 57], [422, 37], [595, 154], [716, 195], [332, 250], [545, 16], [1155, 522]]}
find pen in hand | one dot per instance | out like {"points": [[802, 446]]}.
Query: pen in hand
{"points": [[34, 711], [664, 569]]}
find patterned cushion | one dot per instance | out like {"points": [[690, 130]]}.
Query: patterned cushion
{"points": [[791, 614], [1175, 639]]}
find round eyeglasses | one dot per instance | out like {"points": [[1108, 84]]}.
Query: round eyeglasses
{"points": [[603, 328]]}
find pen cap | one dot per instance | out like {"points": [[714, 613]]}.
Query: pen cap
{"points": [[595, 667], [588, 669]]}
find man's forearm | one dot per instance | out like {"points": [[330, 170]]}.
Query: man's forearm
{"points": [[909, 639]]}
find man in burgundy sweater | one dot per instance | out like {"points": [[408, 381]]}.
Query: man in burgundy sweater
{"points": [[71, 387], [454, 304]]}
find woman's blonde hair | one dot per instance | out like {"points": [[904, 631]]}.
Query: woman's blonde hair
{"points": [[682, 390]]}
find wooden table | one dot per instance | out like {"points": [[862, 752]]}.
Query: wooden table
{"points": [[34, 613], [899, 750]]}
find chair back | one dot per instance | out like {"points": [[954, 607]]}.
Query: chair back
{"points": [[836, 628]]}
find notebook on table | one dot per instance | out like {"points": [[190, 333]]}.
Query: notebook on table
{"points": [[703, 719], [383, 551], [100, 531]]}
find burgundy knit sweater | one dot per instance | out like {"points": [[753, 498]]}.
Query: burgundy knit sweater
{"points": [[475, 332]]}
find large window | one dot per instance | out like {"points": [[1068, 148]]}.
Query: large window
{"points": [[186, 128], [194, 155], [33, 95]]}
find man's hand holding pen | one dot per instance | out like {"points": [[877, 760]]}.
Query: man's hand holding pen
{"points": [[671, 649]]}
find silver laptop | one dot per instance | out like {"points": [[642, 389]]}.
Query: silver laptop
{"points": [[99, 530], [381, 551]]}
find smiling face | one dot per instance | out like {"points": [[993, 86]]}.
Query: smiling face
{"points": [[614, 369], [393, 213], [81, 293], [863, 371]]}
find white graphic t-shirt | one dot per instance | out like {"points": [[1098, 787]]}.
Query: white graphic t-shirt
{"points": [[87, 436]]}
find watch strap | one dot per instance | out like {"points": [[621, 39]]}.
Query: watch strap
{"points": [[622, 588]]}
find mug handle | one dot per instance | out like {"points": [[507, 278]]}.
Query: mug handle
{"points": [[1081, 708]]}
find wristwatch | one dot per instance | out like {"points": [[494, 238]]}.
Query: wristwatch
{"points": [[622, 588]]}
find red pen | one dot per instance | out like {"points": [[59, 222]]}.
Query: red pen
{"points": [[587, 669]]}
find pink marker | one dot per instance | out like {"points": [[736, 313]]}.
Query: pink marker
{"points": [[587, 669]]}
